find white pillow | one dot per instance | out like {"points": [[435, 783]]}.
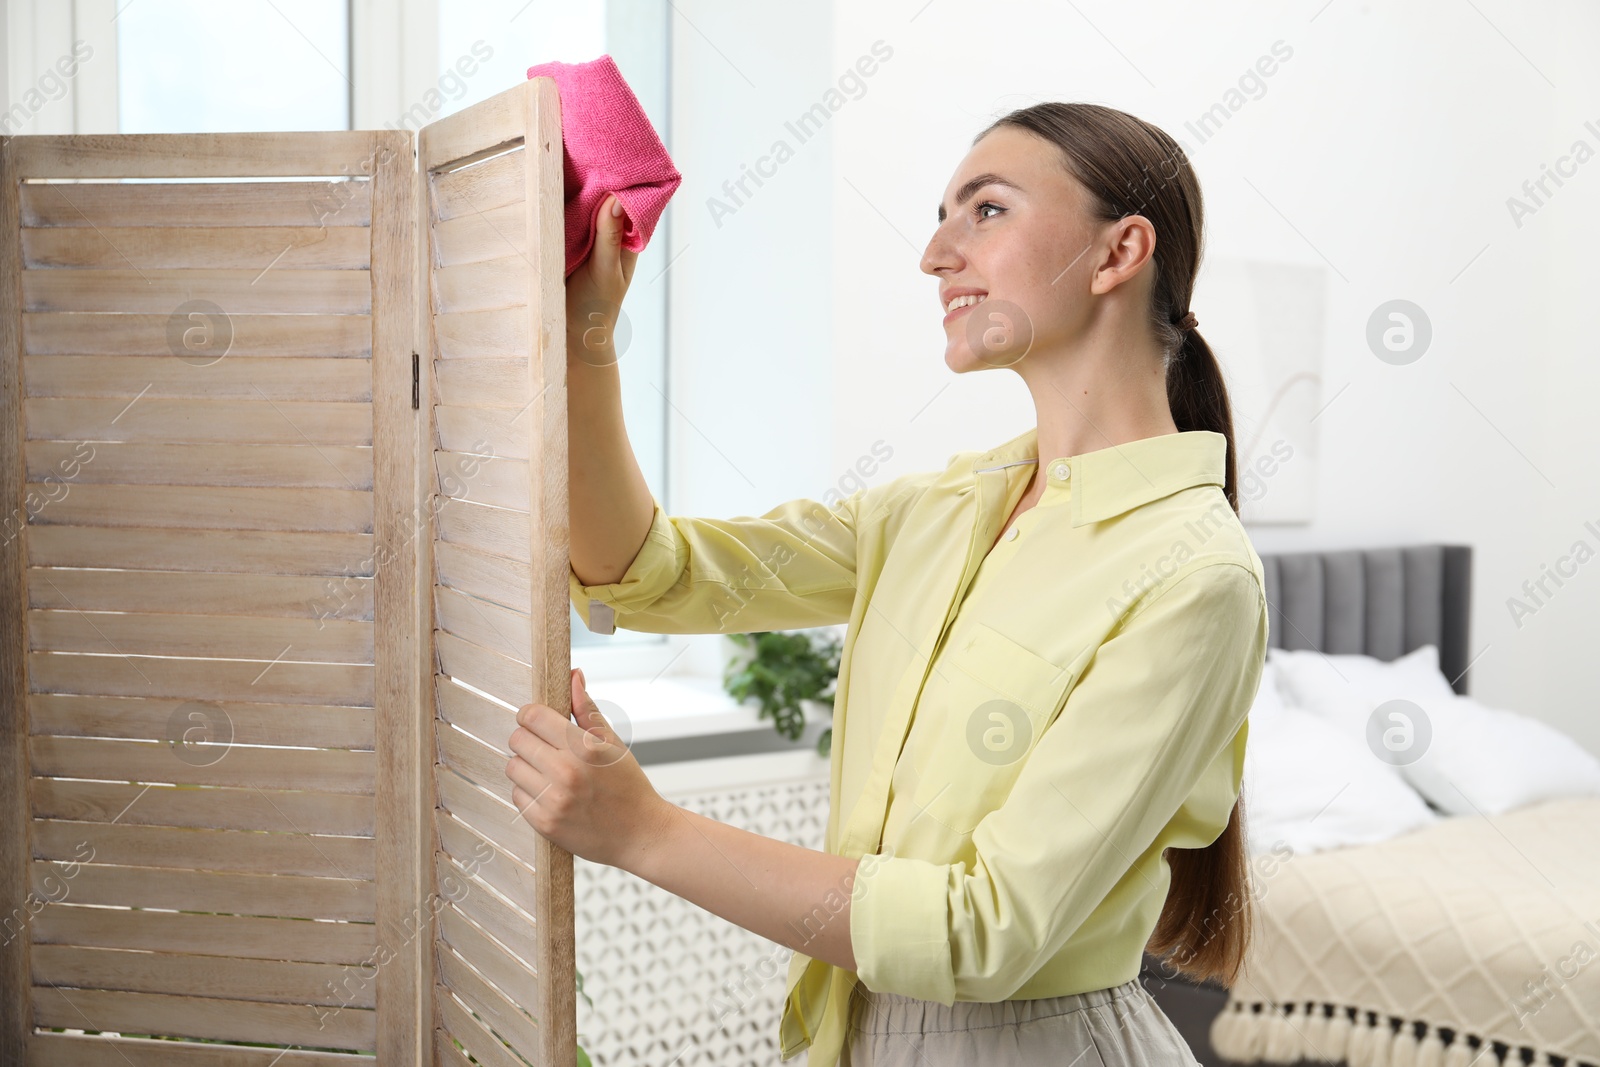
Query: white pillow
{"points": [[1313, 787], [1345, 688], [1269, 696], [1482, 760]]}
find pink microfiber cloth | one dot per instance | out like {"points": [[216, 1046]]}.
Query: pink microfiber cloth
{"points": [[610, 147]]}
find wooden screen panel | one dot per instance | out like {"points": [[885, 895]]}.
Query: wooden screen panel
{"points": [[213, 788], [496, 467]]}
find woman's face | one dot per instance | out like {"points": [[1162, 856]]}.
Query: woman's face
{"points": [[1013, 229]]}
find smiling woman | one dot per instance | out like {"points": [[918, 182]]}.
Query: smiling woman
{"points": [[1040, 712]]}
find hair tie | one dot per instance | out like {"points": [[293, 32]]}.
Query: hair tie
{"points": [[1188, 322]]}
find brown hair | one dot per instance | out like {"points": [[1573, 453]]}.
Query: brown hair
{"points": [[1131, 167]]}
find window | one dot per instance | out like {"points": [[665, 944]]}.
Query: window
{"points": [[516, 34], [188, 66], [197, 65]]}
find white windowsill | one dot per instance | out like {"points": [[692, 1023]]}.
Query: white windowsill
{"points": [[678, 706]]}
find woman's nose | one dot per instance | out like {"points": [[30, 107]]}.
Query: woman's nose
{"points": [[938, 254]]}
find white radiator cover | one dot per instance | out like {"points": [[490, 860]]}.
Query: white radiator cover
{"points": [[674, 985]]}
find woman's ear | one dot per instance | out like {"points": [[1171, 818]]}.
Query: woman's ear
{"points": [[1130, 243]]}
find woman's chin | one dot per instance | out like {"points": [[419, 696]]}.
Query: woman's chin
{"points": [[961, 359]]}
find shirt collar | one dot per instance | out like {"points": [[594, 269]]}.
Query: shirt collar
{"points": [[1107, 482]]}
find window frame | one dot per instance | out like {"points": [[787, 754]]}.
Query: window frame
{"points": [[393, 62]]}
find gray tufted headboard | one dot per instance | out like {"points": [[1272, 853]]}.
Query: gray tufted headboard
{"points": [[1380, 601]]}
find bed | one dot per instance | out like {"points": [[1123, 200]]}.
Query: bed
{"points": [[1475, 934]]}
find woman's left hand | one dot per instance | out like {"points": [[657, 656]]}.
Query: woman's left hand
{"points": [[579, 785]]}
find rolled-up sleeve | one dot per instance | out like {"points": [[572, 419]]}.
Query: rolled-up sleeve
{"points": [[791, 568], [1156, 705]]}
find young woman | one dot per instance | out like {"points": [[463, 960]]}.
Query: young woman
{"points": [[1052, 645]]}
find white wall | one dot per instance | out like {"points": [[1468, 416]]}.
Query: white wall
{"points": [[1388, 144], [752, 392]]}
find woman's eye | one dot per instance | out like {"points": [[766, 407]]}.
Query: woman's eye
{"points": [[987, 203]]}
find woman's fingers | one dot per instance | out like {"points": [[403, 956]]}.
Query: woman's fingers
{"points": [[619, 261]]}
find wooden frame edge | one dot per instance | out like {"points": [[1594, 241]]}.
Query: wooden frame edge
{"points": [[549, 535]]}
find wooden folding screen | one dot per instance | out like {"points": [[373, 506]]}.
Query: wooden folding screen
{"points": [[283, 471], [495, 331]]}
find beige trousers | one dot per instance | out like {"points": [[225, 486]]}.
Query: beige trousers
{"points": [[1117, 1027]]}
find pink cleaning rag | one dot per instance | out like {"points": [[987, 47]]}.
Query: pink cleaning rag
{"points": [[609, 147]]}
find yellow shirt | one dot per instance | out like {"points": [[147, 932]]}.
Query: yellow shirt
{"points": [[1017, 733]]}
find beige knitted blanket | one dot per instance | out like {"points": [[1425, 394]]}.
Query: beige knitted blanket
{"points": [[1452, 945]]}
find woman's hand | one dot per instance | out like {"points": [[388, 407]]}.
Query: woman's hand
{"points": [[579, 785], [595, 290]]}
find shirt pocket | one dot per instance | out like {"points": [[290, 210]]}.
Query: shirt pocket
{"points": [[998, 699]]}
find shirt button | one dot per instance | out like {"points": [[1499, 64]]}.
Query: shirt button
{"points": [[1011, 534], [1063, 471]]}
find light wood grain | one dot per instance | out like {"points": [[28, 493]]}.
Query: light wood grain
{"points": [[503, 430], [234, 204], [224, 636], [240, 1020], [220, 807], [493, 531], [488, 1003], [478, 187], [484, 1046], [295, 335], [155, 463], [292, 595], [480, 235], [500, 676], [500, 871], [277, 895], [489, 814], [510, 926], [476, 715], [140, 719], [239, 936], [211, 247], [201, 976], [500, 483], [143, 292], [482, 286], [483, 622], [15, 984], [201, 679], [328, 770], [498, 579], [206, 507], [403, 799], [211, 850], [482, 383], [480, 763], [332, 556], [550, 606], [227, 421], [499, 334], [246, 493], [165, 377], [487, 956], [92, 1050]]}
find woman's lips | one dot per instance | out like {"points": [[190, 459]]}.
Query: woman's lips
{"points": [[964, 307]]}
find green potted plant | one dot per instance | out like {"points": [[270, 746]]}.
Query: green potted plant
{"points": [[783, 670]]}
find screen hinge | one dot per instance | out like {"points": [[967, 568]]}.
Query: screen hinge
{"points": [[416, 381]]}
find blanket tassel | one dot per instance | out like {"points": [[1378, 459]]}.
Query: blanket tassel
{"points": [[1288, 1034], [1282, 1038], [1361, 1034], [1431, 1052], [1314, 1034], [1338, 1042]]}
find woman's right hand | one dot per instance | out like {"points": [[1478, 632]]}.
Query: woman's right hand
{"points": [[596, 288]]}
